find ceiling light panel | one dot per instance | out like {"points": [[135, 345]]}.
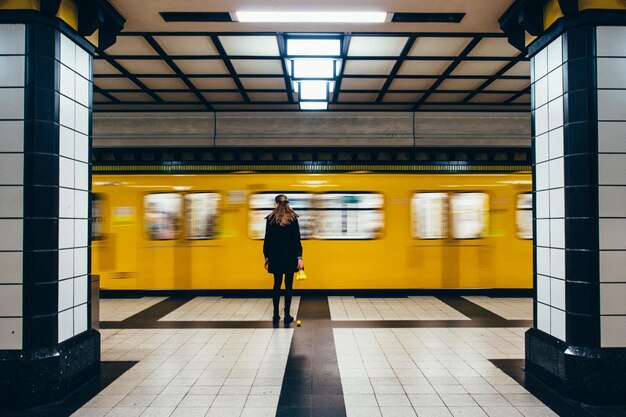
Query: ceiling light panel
{"points": [[145, 66], [438, 46], [423, 67], [308, 47], [202, 66], [313, 105], [376, 46], [370, 67], [311, 17], [250, 45], [257, 66], [313, 68], [313, 90], [187, 45]]}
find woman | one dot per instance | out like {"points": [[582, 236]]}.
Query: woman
{"points": [[283, 251]]}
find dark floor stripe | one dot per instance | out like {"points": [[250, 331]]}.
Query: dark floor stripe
{"points": [[559, 404], [109, 372], [312, 384], [469, 309]]}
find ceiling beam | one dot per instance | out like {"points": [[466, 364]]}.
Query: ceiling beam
{"points": [[394, 71], [345, 46], [229, 65], [282, 45]]}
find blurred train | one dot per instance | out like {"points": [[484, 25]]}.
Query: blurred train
{"points": [[359, 230]]}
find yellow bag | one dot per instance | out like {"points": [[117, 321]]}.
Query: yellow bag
{"points": [[300, 275]]}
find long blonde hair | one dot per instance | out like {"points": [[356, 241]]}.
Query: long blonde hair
{"points": [[282, 214]]}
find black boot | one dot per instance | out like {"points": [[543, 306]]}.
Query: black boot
{"points": [[276, 302], [288, 317]]}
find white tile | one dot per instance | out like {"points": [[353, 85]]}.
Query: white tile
{"points": [[543, 261], [541, 148], [557, 263], [543, 317], [543, 289], [557, 202], [10, 328], [12, 104], [66, 233], [611, 137], [612, 201], [611, 72], [66, 325], [612, 298], [82, 119], [11, 169], [67, 82], [81, 204], [11, 234], [66, 202], [81, 233], [541, 64], [543, 204], [11, 300], [612, 232], [66, 294], [542, 176], [66, 142], [612, 266], [555, 109], [557, 173], [83, 60], [80, 319], [81, 176], [556, 143], [541, 92], [541, 120], [12, 39], [555, 84], [81, 147], [557, 293], [613, 331], [555, 53], [11, 136], [557, 323], [557, 233], [66, 263], [68, 52], [12, 198], [66, 112], [611, 104], [80, 290], [82, 90], [610, 40], [543, 232], [11, 267], [612, 169], [66, 173], [13, 76], [80, 261]]}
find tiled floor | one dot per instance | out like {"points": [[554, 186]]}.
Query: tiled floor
{"points": [[402, 308], [118, 309], [508, 308], [229, 309]]}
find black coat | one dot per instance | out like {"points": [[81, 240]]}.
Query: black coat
{"points": [[282, 247]]}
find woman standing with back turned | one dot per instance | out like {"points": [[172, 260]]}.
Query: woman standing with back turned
{"points": [[283, 251]]}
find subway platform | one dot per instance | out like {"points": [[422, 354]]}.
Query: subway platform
{"points": [[425, 356]]}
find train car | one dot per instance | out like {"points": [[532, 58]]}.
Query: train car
{"points": [[359, 230]]}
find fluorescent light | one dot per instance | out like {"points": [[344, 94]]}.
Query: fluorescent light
{"points": [[313, 68], [328, 47], [311, 17], [313, 105], [313, 90]]}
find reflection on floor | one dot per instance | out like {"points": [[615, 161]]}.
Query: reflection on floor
{"points": [[229, 309], [509, 308], [409, 308], [118, 309]]}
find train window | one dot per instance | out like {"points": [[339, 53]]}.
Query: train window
{"points": [[262, 204], [97, 217], [524, 216], [201, 210], [349, 216], [429, 215], [469, 215], [162, 216]]}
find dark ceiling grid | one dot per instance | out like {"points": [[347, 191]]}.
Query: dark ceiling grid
{"points": [[229, 66], [163, 55], [280, 38], [449, 70], [106, 94], [497, 75], [517, 95], [125, 73], [394, 71], [345, 46]]}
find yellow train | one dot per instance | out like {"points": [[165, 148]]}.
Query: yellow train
{"points": [[360, 230]]}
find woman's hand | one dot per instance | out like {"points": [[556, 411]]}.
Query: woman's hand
{"points": [[267, 264], [300, 264]]}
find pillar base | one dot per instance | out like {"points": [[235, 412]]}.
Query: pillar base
{"points": [[584, 374], [40, 376]]}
